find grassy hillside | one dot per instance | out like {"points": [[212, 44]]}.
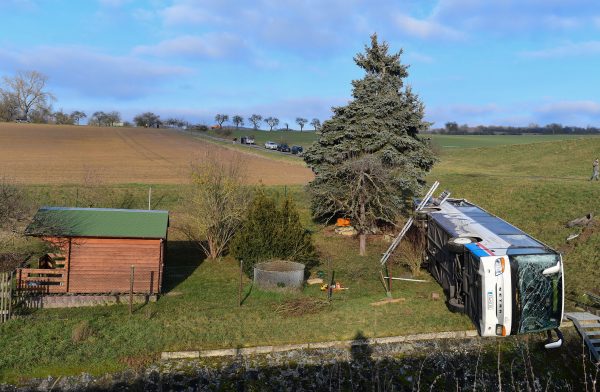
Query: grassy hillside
{"points": [[471, 141], [298, 138], [537, 187]]}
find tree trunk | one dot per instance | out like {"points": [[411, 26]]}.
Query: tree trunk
{"points": [[362, 244], [363, 235]]}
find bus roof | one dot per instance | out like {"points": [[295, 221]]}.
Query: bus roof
{"points": [[460, 218]]}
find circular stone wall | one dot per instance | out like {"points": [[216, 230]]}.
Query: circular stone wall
{"points": [[279, 274]]}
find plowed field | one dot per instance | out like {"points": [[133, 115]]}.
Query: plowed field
{"points": [[53, 154]]}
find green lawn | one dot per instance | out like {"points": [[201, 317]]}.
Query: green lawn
{"points": [[524, 184], [470, 141], [297, 138]]}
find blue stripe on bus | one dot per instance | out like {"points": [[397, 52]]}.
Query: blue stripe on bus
{"points": [[476, 250]]}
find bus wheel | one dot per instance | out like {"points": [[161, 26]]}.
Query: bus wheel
{"points": [[455, 306], [457, 244]]}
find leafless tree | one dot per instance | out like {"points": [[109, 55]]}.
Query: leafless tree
{"points": [[301, 121], [9, 110], [221, 118], [316, 123], [77, 115], [217, 203], [255, 119], [237, 120], [29, 91], [272, 122], [12, 203]]}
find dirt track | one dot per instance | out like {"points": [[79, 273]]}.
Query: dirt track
{"points": [[53, 154]]}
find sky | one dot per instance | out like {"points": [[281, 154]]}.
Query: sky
{"points": [[476, 62]]}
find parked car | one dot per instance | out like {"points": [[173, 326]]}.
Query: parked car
{"points": [[247, 140], [297, 150], [271, 145], [22, 120], [283, 147]]}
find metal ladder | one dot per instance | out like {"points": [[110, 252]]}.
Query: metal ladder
{"points": [[409, 223], [588, 326]]}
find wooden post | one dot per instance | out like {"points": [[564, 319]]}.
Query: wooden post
{"points": [[241, 276], [388, 266], [3, 307], [149, 198], [10, 298], [131, 289]]}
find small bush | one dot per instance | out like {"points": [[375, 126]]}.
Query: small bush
{"points": [[411, 250], [81, 332], [224, 131], [272, 231]]}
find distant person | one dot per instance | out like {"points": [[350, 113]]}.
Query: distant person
{"points": [[596, 170]]}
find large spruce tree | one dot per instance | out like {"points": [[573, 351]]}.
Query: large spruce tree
{"points": [[369, 159]]}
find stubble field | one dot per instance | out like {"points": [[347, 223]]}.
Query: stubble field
{"points": [[52, 154]]}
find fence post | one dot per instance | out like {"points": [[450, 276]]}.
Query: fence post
{"points": [[240, 289], [131, 289], [10, 294], [3, 307]]}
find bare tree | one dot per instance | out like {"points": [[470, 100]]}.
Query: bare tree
{"points": [[221, 118], [147, 120], [12, 204], [63, 118], [175, 122], [272, 122], [113, 118], [28, 88], [316, 123], [77, 115], [217, 203], [301, 121], [9, 109], [238, 121], [255, 119]]}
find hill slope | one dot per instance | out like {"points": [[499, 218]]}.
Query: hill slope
{"points": [[53, 154]]}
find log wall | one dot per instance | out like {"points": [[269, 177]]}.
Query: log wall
{"points": [[103, 265]]}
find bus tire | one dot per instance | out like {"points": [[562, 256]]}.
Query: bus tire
{"points": [[454, 306], [457, 244]]}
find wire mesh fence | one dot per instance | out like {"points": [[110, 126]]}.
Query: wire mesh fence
{"points": [[279, 274]]}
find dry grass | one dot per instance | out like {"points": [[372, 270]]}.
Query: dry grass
{"points": [[53, 154]]}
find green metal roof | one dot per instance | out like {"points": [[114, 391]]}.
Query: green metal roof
{"points": [[99, 222]]}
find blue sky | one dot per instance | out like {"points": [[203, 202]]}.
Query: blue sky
{"points": [[510, 62]]}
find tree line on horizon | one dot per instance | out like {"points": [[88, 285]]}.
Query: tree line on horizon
{"points": [[24, 97], [452, 128]]}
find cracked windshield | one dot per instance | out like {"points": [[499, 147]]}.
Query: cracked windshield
{"points": [[539, 296]]}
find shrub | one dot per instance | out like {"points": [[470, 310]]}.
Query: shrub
{"points": [[224, 132], [412, 249], [273, 231], [81, 332]]}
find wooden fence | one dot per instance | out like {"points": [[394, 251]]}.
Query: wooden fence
{"points": [[6, 300]]}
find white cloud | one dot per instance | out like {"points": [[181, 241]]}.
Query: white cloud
{"points": [[91, 73], [515, 16], [210, 46], [566, 50], [114, 3], [192, 13], [426, 29], [416, 57], [571, 107]]}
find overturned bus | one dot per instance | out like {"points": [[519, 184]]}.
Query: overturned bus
{"points": [[506, 281]]}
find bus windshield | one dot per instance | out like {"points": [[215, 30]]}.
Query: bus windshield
{"points": [[538, 297]]}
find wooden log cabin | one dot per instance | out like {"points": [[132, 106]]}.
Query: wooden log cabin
{"points": [[94, 250]]}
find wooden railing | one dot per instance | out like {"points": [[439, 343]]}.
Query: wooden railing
{"points": [[42, 280]]}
